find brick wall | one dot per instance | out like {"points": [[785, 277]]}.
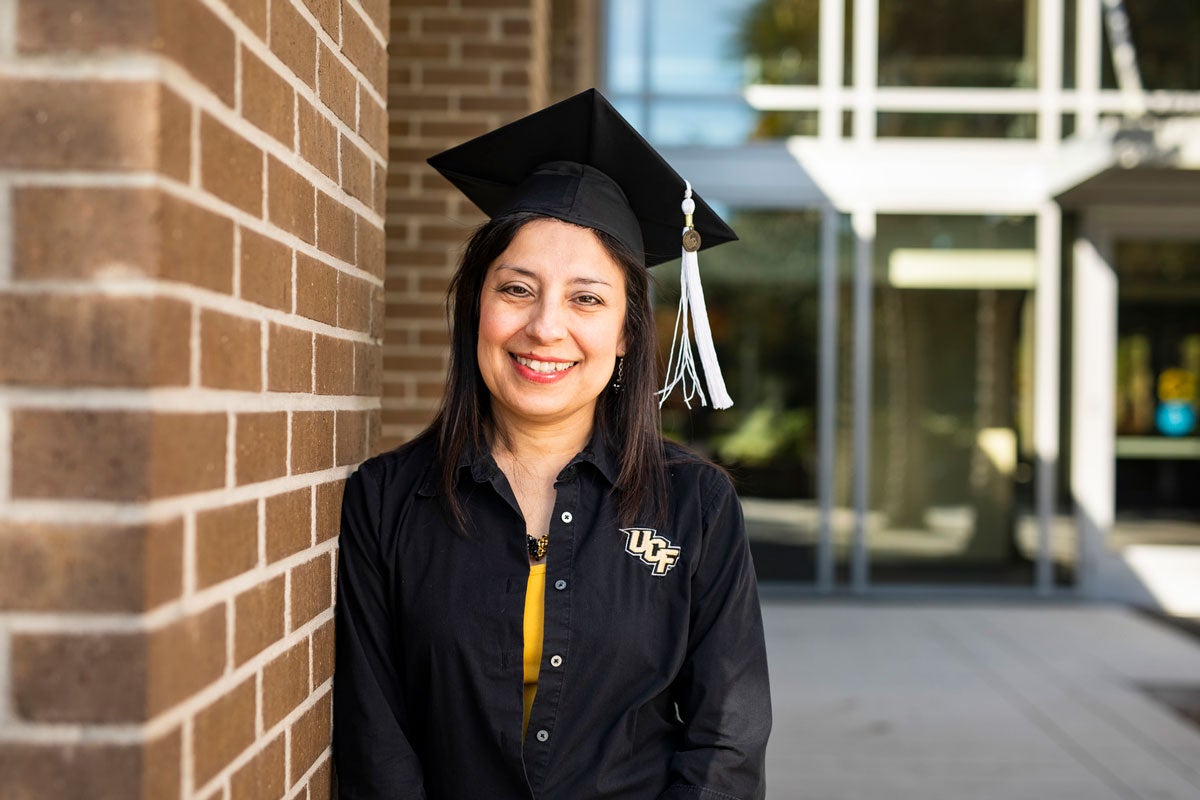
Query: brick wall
{"points": [[458, 69], [191, 266]]}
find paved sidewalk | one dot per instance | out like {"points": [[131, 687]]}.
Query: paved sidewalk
{"points": [[962, 700]]}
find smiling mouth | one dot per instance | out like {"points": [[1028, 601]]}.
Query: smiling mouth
{"points": [[544, 367]]}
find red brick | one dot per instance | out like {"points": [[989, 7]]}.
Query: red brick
{"points": [[335, 228], [197, 246], [93, 340], [312, 441], [372, 123], [334, 360], [454, 23], [226, 542], [92, 568], [370, 247], [116, 677], [266, 271], [351, 437], [261, 778], [294, 41], [192, 36], [150, 771], [316, 290], [222, 731], [354, 303], [318, 139], [379, 188], [497, 51], [258, 619], [457, 76], [326, 12], [320, 785], [310, 736], [85, 25], [509, 105], [175, 136], [310, 591], [77, 233], [285, 684], [367, 369], [356, 171], [78, 124], [268, 101], [362, 48], [253, 13], [289, 359], [230, 352], [329, 509], [261, 446], [337, 88], [323, 653], [289, 523], [377, 10], [290, 200], [116, 455], [378, 318], [230, 166]]}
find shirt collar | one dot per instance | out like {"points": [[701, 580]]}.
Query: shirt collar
{"points": [[483, 468]]}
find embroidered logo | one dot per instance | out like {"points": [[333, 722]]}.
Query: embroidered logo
{"points": [[652, 549]]}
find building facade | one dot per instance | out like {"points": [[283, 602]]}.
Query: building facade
{"points": [[963, 324]]}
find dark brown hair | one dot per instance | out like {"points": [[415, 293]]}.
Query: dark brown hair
{"points": [[628, 420]]}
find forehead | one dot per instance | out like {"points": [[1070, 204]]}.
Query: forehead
{"points": [[550, 249]]}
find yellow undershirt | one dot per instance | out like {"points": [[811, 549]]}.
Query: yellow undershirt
{"points": [[535, 612]]}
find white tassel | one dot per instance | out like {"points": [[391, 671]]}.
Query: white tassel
{"points": [[681, 366]]}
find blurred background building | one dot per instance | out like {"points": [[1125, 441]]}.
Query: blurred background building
{"points": [[962, 329]]}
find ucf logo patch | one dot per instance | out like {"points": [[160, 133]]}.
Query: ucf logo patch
{"points": [[652, 549]]}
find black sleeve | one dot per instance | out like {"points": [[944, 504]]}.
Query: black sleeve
{"points": [[371, 753], [722, 691]]}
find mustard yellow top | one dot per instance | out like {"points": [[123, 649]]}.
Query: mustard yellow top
{"points": [[535, 615]]}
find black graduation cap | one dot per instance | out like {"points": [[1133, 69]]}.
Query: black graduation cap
{"points": [[580, 161]]}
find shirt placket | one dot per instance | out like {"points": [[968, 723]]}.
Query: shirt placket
{"points": [[556, 638]]}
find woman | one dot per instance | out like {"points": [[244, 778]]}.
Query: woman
{"points": [[538, 597]]}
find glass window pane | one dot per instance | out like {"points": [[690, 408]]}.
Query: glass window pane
{"points": [[703, 122], [624, 46], [695, 51], [1166, 35], [963, 126], [987, 43], [763, 303], [949, 480], [780, 40]]}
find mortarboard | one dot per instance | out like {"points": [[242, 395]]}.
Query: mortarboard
{"points": [[580, 161]]}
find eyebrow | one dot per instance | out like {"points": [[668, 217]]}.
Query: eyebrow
{"points": [[533, 275]]}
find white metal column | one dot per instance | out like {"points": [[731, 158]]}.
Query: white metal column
{"points": [[1093, 376], [1047, 344], [827, 397]]}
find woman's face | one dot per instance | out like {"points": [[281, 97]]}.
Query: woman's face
{"points": [[551, 325]]}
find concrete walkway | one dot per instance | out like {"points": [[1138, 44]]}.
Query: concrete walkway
{"points": [[961, 700]]}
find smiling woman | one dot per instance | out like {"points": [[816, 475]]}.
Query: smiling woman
{"points": [[551, 326], [539, 596]]}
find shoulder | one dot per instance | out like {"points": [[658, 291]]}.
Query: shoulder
{"points": [[694, 478], [405, 467]]}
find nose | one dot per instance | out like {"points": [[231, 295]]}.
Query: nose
{"points": [[546, 322]]}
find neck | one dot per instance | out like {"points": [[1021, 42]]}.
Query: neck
{"points": [[549, 446]]}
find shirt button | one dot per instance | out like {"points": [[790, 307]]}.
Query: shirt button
{"points": [[543, 735], [556, 661], [560, 584], [566, 517]]}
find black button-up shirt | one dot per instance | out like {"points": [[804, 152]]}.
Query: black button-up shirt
{"points": [[653, 682]]}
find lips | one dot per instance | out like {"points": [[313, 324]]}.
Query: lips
{"points": [[544, 367]]}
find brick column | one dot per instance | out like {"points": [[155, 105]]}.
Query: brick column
{"points": [[458, 69], [191, 272]]}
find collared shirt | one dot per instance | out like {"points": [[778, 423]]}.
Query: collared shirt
{"points": [[653, 681]]}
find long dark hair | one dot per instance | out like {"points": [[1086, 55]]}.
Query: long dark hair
{"points": [[628, 420]]}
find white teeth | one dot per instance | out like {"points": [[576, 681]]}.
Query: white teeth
{"points": [[544, 366]]}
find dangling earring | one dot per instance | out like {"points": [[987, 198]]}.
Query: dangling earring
{"points": [[616, 384]]}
